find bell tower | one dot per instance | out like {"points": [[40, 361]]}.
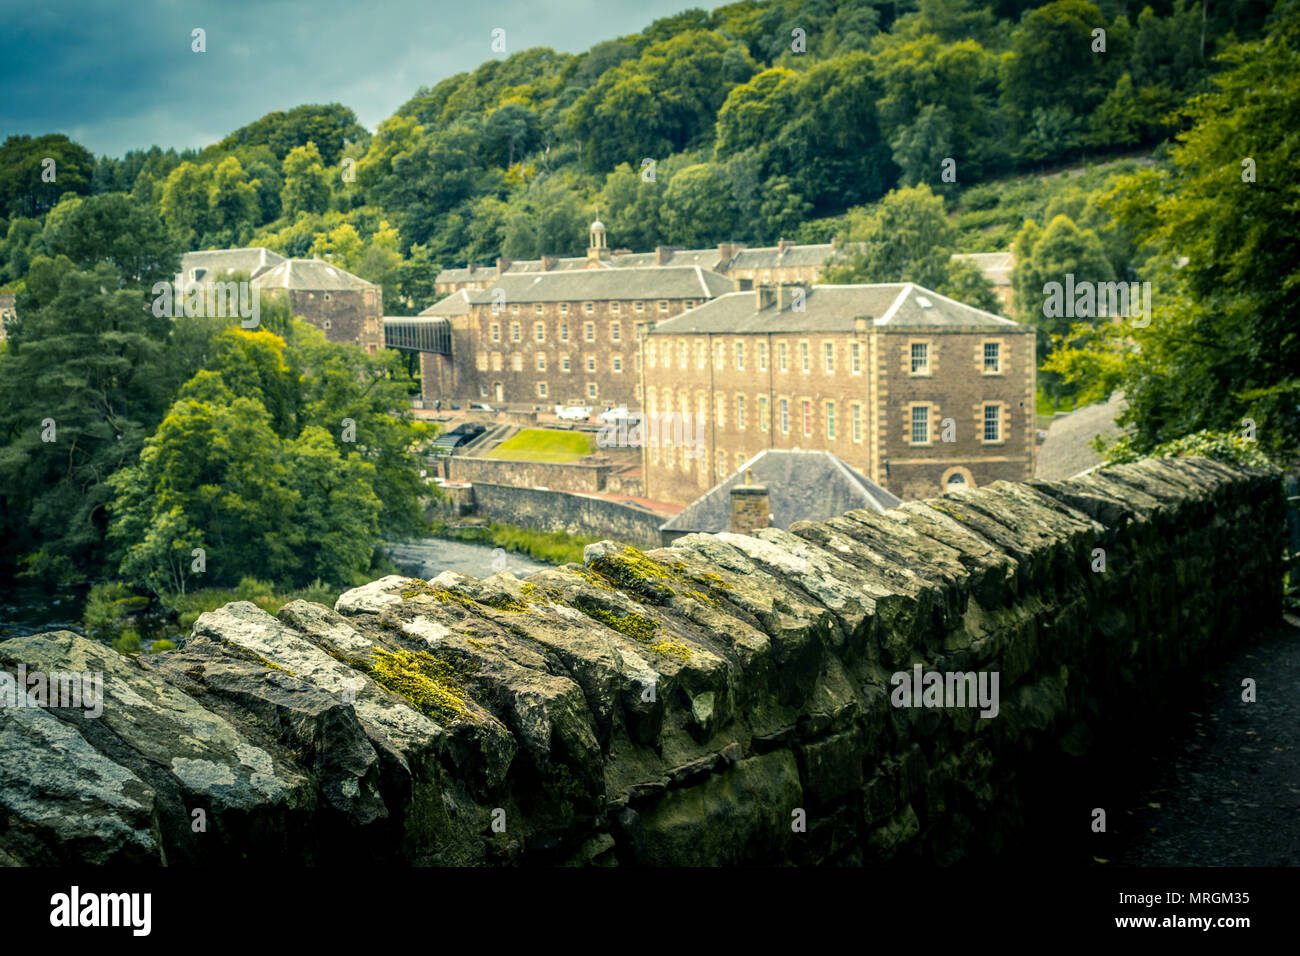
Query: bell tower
{"points": [[597, 245]]}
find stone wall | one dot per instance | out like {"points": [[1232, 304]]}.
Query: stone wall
{"points": [[567, 476], [723, 701], [559, 511]]}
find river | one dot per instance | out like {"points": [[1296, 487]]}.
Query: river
{"points": [[25, 609]]}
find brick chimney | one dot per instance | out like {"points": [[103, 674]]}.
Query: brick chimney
{"points": [[764, 297], [548, 262], [785, 295], [727, 251], [469, 269], [750, 506], [662, 254], [503, 265], [782, 246]]}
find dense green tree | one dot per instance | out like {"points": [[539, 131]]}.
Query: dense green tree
{"points": [[186, 207], [1222, 344], [115, 229], [906, 237], [306, 182], [698, 208], [82, 383], [329, 127], [30, 185]]}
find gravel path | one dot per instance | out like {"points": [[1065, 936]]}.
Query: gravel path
{"points": [[1231, 796]]}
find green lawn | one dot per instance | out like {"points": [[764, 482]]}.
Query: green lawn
{"points": [[543, 444]]}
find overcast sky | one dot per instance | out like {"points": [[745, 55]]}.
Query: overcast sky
{"points": [[117, 76]]}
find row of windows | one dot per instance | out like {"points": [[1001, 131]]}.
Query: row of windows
{"points": [[543, 391], [539, 332], [920, 356], [589, 308], [991, 419], [539, 362], [991, 430]]}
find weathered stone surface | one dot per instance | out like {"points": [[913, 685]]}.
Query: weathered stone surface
{"points": [[685, 705]]}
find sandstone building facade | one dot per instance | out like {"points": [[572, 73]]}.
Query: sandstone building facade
{"points": [[565, 337], [345, 307], [917, 391]]}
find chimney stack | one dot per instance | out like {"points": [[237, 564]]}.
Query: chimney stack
{"points": [[785, 295], [503, 265], [548, 262], [783, 245], [662, 253], [750, 506]]}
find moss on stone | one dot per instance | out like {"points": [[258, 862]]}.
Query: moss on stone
{"points": [[636, 626], [432, 686], [634, 571], [503, 603], [479, 645], [672, 648]]}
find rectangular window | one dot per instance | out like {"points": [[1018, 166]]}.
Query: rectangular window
{"points": [[762, 356], [781, 364], [681, 353], [805, 361], [541, 362], [920, 425], [651, 353], [517, 362], [496, 361], [638, 306], [541, 389], [762, 413], [538, 308], [564, 331], [514, 331], [564, 308], [785, 417], [718, 356], [514, 309], [496, 332], [830, 358], [992, 358], [613, 307], [830, 421], [740, 411], [591, 389], [855, 357], [992, 422], [807, 418], [588, 308], [564, 363], [920, 358], [618, 363], [663, 305], [722, 465], [740, 356], [591, 363], [616, 332], [699, 355], [539, 330], [589, 331], [857, 423]]}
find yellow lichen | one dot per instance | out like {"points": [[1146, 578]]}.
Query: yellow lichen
{"points": [[431, 685]]}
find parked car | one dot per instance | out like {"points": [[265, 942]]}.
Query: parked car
{"points": [[573, 413], [480, 407], [612, 416]]}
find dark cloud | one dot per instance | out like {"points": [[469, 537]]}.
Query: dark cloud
{"points": [[117, 77]]}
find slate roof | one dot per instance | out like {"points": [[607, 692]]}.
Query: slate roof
{"points": [[704, 258], [455, 304], [1067, 450], [309, 274], [222, 262], [656, 282], [771, 257], [835, 308], [996, 266], [801, 486]]}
